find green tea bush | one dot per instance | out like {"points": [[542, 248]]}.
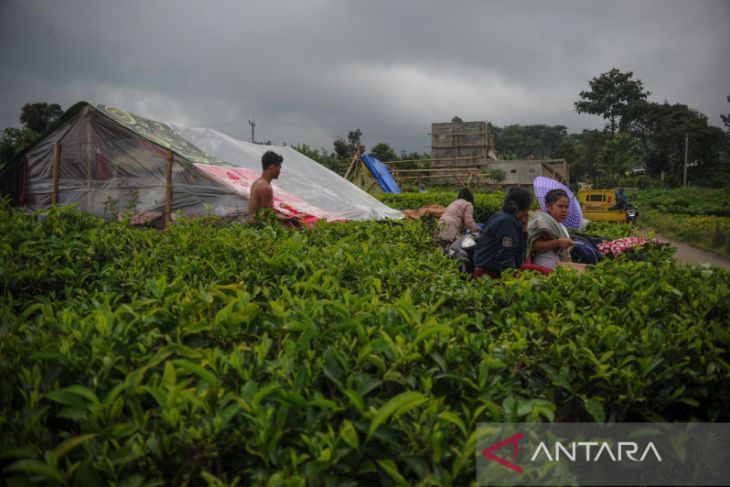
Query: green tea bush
{"points": [[707, 232], [697, 216], [610, 230], [351, 354], [485, 205], [688, 201]]}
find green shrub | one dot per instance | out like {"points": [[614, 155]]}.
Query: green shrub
{"points": [[485, 205], [353, 353], [690, 201]]}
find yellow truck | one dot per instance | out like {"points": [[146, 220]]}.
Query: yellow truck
{"points": [[596, 203]]}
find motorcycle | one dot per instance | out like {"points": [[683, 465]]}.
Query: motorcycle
{"points": [[632, 214], [462, 250]]}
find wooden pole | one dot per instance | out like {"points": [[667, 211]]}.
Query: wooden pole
{"points": [[56, 172], [481, 132], [351, 167], [24, 184], [444, 169], [432, 160], [168, 189], [450, 176], [90, 159]]}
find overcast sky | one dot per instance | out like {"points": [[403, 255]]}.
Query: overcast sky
{"points": [[308, 71]]}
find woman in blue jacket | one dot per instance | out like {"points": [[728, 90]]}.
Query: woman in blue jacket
{"points": [[503, 241]]}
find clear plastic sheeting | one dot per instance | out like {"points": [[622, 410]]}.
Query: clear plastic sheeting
{"points": [[106, 167], [110, 160], [304, 184]]}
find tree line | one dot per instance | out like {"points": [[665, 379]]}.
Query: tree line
{"points": [[345, 148], [36, 119], [638, 134], [648, 134]]}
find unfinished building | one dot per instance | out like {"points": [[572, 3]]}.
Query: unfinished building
{"points": [[465, 153]]}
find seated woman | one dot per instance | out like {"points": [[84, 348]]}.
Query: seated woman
{"points": [[502, 242], [456, 216], [548, 241]]}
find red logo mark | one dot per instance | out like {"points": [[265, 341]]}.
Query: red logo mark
{"points": [[487, 452]]}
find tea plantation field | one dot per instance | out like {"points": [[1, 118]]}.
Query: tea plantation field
{"points": [[698, 216], [351, 354]]}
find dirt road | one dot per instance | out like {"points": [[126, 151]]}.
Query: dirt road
{"points": [[687, 254]]}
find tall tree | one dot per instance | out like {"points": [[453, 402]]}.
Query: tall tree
{"points": [[14, 141], [666, 126], [12, 144], [383, 152], [354, 138], [523, 141], [614, 96], [346, 148], [621, 153], [40, 116], [589, 150], [567, 150], [343, 149], [330, 161]]}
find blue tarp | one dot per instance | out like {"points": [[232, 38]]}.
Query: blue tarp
{"points": [[381, 173]]}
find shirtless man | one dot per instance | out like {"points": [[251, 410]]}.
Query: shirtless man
{"points": [[262, 195]]}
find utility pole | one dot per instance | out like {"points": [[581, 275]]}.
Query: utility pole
{"points": [[252, 124], [686, 144]]}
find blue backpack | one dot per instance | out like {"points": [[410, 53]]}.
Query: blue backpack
{"points": [[585, 251]]}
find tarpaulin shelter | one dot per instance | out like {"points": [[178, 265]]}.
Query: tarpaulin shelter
{"points": [[105, 159], [369, 173], [381, 173]]}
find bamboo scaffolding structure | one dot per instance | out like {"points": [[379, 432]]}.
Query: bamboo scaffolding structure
{"points": [[449, 134], [56, 173], [443, 176], [168, 189], [457, 146], [442, 169], [477, 164], [445, 172], [439, 159]]}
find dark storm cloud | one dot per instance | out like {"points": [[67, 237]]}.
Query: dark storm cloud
{"points": [[309, 71]]}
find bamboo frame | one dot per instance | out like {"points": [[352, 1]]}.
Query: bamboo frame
{"points": [[481, 156], [89, 162], [457, 146], [442, 176], [56, 172], [168, 189], [457, 134], [354, 161], [24, 184], [440, 169]]}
